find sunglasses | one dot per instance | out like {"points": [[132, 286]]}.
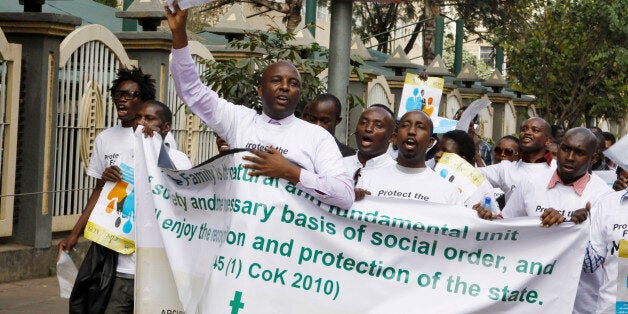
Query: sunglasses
{"points": [[127, 94], [507, 151]]}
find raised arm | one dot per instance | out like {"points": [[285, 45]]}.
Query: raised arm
{"points": [[177, 20]]}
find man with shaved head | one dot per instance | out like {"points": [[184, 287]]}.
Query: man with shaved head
{"points": [[536, 160], [564, 195], [409, 178], [282, 146]]}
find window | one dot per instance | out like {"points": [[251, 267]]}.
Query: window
{"points": [[487, 54]]}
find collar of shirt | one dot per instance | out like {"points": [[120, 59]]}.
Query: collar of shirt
{"points": [[285, 121], [376, 162], [547, 158], [578, 185]]}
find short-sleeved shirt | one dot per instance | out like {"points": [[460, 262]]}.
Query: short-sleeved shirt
{"points": [[421, 184]]}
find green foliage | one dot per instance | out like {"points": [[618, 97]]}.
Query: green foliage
{"points": [[372, 19], [237, 81], [481, 69], [573, 57]]}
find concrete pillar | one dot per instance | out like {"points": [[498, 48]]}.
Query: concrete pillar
{"points": [[522, 106], [40, 35], [499, 101], [152, 51], [339, 58]]}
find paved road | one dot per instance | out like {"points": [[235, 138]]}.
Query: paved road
{"points": [[32, 296]]}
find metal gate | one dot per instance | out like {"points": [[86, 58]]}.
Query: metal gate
{"points": [[10, 77], [89, 59]]}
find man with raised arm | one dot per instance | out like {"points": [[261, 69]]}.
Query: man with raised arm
{"points": [[283, 146], [536, 160]]}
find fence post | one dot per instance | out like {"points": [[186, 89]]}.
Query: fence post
{"points": [[40, 35], [458, 46]]}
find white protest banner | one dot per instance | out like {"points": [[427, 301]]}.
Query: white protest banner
{"points": [[469, 114], [284, 252], [618, 153], [111, 223], [468, 179], [421, 95]]}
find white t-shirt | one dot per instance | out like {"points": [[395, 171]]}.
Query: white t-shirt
{"points": [[421, 184], [307, 145], [112, 147], [352, 164], [606, 216], [507, 175], [532, 199]]}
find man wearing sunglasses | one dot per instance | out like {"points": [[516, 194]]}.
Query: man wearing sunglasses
{"points": [[507, 148], [113, 293]]}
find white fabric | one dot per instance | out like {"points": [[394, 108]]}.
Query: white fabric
{"points": [[112, 147], [533, 198], [507, 175], [606, 216], [421, 184], [179, 158], [308, 145], [170, 141], [352, 164]]}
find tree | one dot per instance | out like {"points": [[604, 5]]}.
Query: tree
{"points": [[482, 70], [573, 56], [291, 9], [377, 19]]}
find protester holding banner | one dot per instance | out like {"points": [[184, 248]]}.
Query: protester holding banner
{"points": [[609, 221], [112, 147], [536, 161], [324, 110], [565, 194], [282, 145], [372, 136], [410, 178], [156, 117]]}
